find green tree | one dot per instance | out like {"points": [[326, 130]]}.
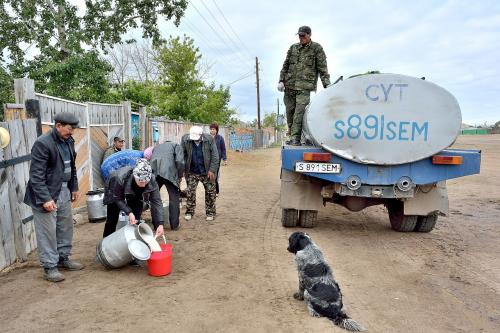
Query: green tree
{"points": [[269, 120], [6, 90], [56, 26], [135, 91], [179, 84], [6, 87], [181, 94], [80, 77]]}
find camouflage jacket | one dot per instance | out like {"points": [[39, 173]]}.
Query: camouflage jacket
{"points": [[303, 65], [108, 152]]}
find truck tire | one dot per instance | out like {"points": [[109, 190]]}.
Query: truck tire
{"points": [[399, 221], [307, 218], [289, 218], [426, 223]]}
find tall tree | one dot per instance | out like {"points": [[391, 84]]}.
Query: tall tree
{"points": [[81, 77], [181, 92], [177, 64], [6, 89], [57, 26]]}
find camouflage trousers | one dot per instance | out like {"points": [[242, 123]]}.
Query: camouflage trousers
{"points": [[295, 104], [192, 183]]}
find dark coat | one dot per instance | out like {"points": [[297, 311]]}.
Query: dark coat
{"points": [[167, 161], [118, 189], [221, 147], [46, 170], [210, 153]]}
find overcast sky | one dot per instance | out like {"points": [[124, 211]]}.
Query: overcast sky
{"points": [[455, 44]]}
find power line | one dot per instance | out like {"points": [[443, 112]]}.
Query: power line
{"points": [[230, 26], [251, 73], [224, 30], [215, 31], [194, 29]]}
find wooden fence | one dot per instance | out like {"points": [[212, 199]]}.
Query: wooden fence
{"points": [[99, 123], [173, 130], [17, 233]]}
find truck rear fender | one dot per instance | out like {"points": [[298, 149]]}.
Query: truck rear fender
{"points": [[428, 200]]}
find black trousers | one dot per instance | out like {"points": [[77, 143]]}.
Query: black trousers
{"points": [[173, 201], [113, 212], [217, 179]]}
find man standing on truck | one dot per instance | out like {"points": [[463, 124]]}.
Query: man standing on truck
{"points": [[304, 62]]}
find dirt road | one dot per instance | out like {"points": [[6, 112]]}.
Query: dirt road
{"points": [[235, 275]]}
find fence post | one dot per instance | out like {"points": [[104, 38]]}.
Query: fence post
{"points": [[24, 89], [144, 128], [89, 147], [32, 107], [127, 123]]}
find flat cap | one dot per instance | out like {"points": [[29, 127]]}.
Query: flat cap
{"points": [[66, 118], [304, 30]]}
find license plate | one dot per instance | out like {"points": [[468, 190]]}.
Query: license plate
{"points": [[317, 167]]}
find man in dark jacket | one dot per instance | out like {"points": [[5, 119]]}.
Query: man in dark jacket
{"points": [[52, 186], [201, 165], [167, 162], [126, 190]]}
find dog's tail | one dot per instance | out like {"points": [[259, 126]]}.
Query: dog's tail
{"points": [[347, 323]]}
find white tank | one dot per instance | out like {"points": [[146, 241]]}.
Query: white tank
{"points": [[384, 119]]}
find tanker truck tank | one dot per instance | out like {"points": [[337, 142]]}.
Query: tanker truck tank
{"points": [[378, 139], [383, 119]]}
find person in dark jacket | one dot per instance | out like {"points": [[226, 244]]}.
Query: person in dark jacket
{"points": [[221, 149], [126, 190], [167, 162], [53, 184], [201, 165]]}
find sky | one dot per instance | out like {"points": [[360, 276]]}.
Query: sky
{"points": [[454, 44]]}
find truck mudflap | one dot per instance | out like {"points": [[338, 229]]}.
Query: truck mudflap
{"points": [[300, 192], [428, 200]]}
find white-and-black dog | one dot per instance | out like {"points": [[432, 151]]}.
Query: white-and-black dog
{"points": [[317, 284]]}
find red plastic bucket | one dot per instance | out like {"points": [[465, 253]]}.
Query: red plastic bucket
{"points": [[160, 263]]}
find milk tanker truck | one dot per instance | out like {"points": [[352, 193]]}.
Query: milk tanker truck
{"points": [[377, 139]]}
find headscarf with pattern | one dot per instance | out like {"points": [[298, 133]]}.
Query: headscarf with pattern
{"points": [[142, 170]]}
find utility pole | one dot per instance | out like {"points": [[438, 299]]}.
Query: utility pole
{"points": [[258, 91], [278, 105]]}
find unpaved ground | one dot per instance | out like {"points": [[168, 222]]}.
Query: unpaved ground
{"points": [[235, 275]]}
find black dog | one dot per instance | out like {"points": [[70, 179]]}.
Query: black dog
{"points": [[317, 284]]}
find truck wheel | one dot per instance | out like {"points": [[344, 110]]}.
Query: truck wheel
{"points": [[399, 221], [426, 223], [307, 218], [289, 218]]}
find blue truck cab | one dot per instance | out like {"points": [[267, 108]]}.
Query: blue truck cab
{"points": [[368, 147]]}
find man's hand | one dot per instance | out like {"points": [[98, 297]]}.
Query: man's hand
{"points": [[159, 231], [50, 206], [224, 162], [281, 86], [211, 176], [131, 218], [75, 196]]}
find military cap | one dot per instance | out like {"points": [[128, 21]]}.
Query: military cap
{"points": [[66, 118], [304, 30]]}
